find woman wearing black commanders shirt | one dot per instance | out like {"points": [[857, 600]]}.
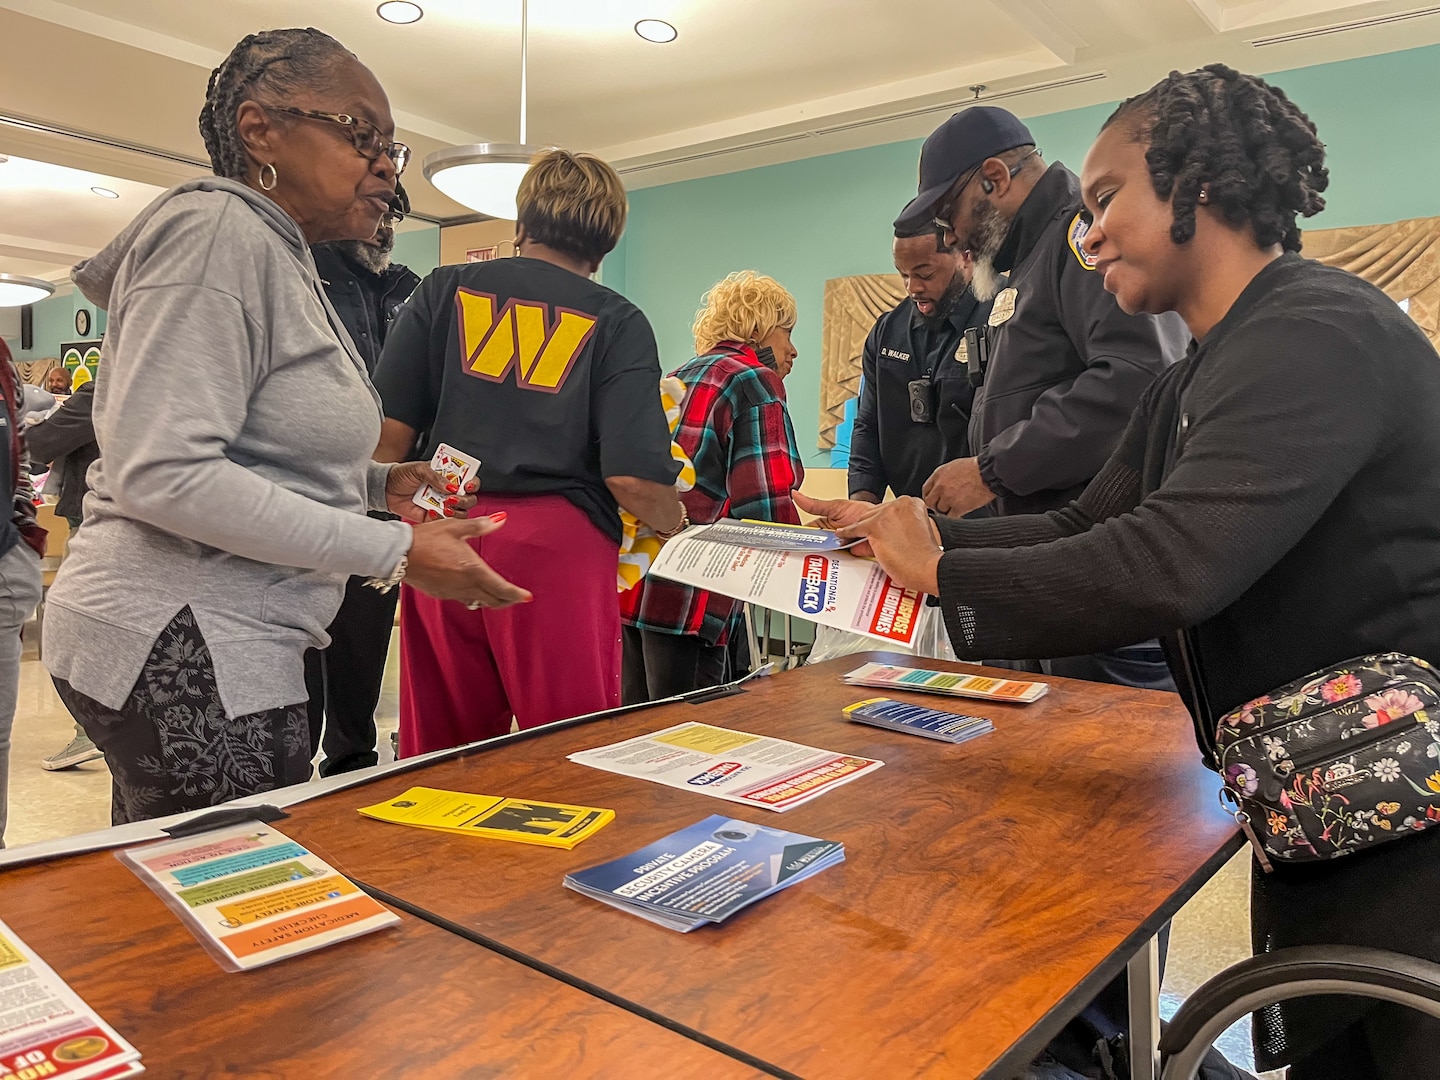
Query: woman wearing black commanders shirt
{"points": [[1274, 495], [552, 381]]}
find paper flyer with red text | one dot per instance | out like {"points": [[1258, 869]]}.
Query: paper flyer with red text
{"points": [[833, 588], [732, 765]]}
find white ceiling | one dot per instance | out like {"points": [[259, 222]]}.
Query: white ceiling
{"points": [[748, 82]]}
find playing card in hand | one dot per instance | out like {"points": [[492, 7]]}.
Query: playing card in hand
{"points": [[457, 468]]}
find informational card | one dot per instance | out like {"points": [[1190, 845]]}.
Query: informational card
{"points": [[494, 817], [706, 873], [833, 588], [949, 683], [253, 896], [749, 769], [46, 1029], [773, 536], [917, 720]]}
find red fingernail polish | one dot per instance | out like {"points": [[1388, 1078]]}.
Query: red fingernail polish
{"points": [[451, 501], [452, 488], [498, 518]]}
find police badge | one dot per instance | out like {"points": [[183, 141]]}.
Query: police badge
{"points": [[1004, 307]]}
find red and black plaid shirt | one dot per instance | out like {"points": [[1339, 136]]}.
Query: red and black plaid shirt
{"points": [[736, 429]]}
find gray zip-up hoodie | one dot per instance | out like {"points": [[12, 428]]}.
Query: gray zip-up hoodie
{"points": [[235, 423]]}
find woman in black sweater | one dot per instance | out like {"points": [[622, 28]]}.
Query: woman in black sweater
{"points": [[1273, 509]]}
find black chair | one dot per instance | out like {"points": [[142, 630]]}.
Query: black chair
{"points": [[1291, 973]]}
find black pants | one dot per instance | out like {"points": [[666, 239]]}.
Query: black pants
{"points": [[170, 747], [344, 680], [659, 665]]}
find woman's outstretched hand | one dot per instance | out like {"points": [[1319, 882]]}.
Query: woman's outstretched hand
{"points": [[445, 565]]}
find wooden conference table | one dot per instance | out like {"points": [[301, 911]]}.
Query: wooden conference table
{"points": [[989, 890]]}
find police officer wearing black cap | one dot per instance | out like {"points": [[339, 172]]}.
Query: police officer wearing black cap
{"points": [[343, 681], [1058, 368], [914, 408]]}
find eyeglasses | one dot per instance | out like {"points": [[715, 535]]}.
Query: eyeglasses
{"points": [[942, 220], [365, 136]]}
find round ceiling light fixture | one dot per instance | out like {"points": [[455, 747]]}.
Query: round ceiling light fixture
{"points": [[657, 30], [17, 290], [486, 176], [401, 12], [105, 192]]}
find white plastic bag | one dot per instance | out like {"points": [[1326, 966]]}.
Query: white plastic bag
{"points": [[931, 639]]}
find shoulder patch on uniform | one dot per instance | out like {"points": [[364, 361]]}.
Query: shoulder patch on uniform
{"points": [[1076, 235]]}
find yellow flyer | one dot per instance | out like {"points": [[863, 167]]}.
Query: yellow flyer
{"points": [[524, 821]]}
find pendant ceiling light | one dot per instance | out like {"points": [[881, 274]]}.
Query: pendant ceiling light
{"points": [[486, 176], [17, 291]]}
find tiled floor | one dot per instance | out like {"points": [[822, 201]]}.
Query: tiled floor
{"points": [[1210, 933]]}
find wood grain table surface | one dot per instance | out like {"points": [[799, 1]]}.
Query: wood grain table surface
{"points": [[989, 889], [408, 1001]]}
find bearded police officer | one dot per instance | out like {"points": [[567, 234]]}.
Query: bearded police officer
{"points": [[914, 408], [1059, 367]]}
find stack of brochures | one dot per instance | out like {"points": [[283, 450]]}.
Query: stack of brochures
{"points": [[525, 821], [918, 720], [950, 683], [46, 1029], [706, 873]]}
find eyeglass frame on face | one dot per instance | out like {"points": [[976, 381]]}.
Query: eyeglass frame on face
{"points": [[397, 152], [941, 220]]}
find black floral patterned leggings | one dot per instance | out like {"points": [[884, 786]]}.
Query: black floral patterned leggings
{"points": [[170, 747]]}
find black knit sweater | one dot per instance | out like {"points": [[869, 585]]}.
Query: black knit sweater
{"points": [[1278, 491]]}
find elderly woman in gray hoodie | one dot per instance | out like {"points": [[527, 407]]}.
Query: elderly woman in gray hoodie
{"points": [[236, 425]]}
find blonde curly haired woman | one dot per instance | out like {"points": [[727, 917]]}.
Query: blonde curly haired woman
{"points": [[736, 429]]}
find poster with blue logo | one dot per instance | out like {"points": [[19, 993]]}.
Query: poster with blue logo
{"points": [[830, 587]]}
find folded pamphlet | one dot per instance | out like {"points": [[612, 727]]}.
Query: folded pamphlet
{"points": [[734, 765], [46, 1029], [494, 817], [949, 683], [918, 720], [706, 873], [252, 896]]}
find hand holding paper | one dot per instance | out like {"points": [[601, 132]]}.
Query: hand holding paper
{"points": [[905, 542]]}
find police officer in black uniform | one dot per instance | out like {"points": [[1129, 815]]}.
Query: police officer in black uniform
{"points": [[343, 681], [914, 408], [1059, 367]]}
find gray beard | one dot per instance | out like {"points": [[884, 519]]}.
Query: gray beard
{"points": [[987, 237], [374, 259]]}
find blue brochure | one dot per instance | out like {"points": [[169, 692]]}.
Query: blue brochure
{"points": [[706, 873], [918, 720]]}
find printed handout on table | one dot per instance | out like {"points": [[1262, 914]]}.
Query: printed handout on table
{"points": [[253, 896], [833, 588], [734, 765], [706, 873], [46, 1029], [948, 683], [545, 824]]}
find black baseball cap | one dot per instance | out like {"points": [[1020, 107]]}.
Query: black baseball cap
{"points": [[954, 148]]}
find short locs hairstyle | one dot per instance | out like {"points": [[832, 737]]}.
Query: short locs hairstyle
{"points": [[1240, 139], [572, 202], [744, 307], [280, 62]]}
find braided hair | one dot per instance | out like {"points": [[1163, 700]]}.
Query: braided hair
{"points": [[1255, 154], [282, 62]]}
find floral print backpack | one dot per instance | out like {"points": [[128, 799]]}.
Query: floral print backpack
{"points": [[1336, 762]]}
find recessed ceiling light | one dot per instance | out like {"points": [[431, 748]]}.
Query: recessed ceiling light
{"points": [[400, 11], [656, 30], [105, 193]]}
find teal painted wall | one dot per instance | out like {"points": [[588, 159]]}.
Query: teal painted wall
{"points": [[419, 250], [55, 323], [806, 221]]}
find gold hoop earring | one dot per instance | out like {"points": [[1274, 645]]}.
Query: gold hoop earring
{"points": [[274, 177]]}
